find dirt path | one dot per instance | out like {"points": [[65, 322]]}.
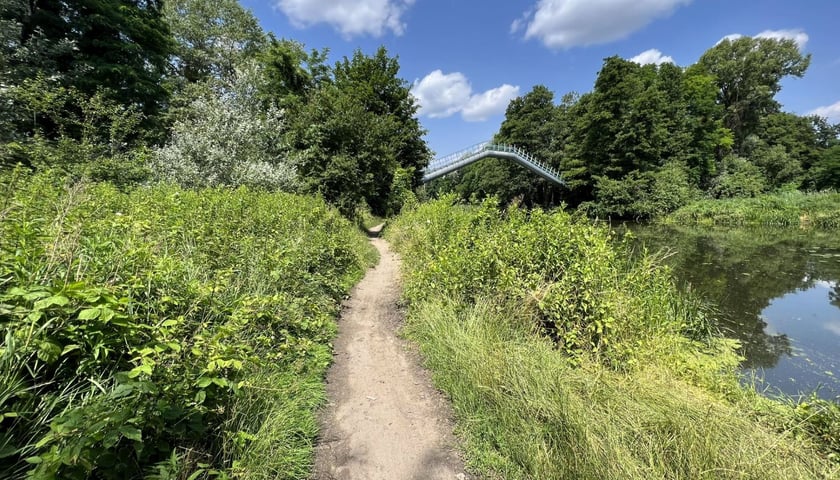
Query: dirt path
{"points": [[384, 419]]}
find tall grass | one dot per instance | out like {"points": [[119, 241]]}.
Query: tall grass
{"points": [[165, 333], [566, 359], [788, 209]]}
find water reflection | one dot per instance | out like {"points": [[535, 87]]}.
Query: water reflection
{"points": [[778, 292]]}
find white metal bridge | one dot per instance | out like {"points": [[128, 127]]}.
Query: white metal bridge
{"points": [[443, 165]]}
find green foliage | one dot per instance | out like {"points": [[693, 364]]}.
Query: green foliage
{"points": [[739, 178], [787, 209], [749, 72], [402, 196], [291, 73], [637, 195], [355, 131], [826, 172], [164, 330], [563, 270], [117, 47], [564, 358], [213, 38]]}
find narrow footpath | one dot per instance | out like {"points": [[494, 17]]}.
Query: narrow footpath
{"points": [[384, 419]]}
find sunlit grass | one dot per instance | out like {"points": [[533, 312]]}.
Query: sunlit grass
{"points": [[788, 209]]}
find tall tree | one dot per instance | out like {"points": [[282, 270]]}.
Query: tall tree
{"points": [[749, 72], [356, 130], [213, 37], [292, 74], [117, 47]]}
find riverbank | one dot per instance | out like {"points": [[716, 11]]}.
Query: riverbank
{"points": [[788, 209], [565, 359]]}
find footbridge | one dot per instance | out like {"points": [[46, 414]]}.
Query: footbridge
{"points": [[443, 165]]}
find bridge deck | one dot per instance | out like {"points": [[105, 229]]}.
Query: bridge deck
{"points": [[443, 165]]}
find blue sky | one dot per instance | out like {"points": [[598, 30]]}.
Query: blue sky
{"points": [[467, 59]]}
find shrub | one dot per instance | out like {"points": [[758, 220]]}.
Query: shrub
{"points": [[162, 330], [228, 138]]}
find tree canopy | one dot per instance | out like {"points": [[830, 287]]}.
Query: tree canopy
{"points": [[650, 138]]}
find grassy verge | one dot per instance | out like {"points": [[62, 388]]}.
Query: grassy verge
{"points": [[165, 333], [565, 359], [789, 209]]}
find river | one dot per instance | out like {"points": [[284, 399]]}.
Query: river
{"points": [[776, 290]]}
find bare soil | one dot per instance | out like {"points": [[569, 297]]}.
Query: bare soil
{"points": [[384, 419]]}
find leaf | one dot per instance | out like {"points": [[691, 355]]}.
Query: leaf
{"points": [[106, 314], [136, 371], [7, 451], [89, 314], [70, 348], [59, 300], [34, 460], [131, 433], [200, 396], [204, 382], [49, 351]]}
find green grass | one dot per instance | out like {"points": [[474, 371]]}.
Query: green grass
{"points": [[788, 209], [566, 359], [165, 333], [526, 412]]}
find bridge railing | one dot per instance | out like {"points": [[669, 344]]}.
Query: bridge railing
{"points": [[475, 152]]}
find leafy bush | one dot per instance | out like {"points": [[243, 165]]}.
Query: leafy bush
{"points": [[642, 195], [228, 138], [158, 332], [740, 178]]}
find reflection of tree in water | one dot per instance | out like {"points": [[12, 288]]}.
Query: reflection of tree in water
{"points": [[834, 296], [742, 271]]}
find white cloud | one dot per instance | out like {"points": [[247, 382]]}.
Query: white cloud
{"points": [[831, 112], [441, 95], [731, 37], [492, 102], [445, 94], [798, 36], [653, 56], [349, 17], [568, 23]]}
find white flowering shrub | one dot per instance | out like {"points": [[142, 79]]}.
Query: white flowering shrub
{"points": [[228, 138]]}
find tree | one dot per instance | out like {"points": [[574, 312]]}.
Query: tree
{"points": [[213, 38], [117, 48], [291, 73], [749, 73], [355, 131], [826, 172], [530, 123], [228, 138], [618, 128], [374, 82]]}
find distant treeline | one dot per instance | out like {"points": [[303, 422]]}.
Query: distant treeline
{"points": [[649, 139]]}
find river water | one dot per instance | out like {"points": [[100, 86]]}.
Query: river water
{"points": [[776, 290]]}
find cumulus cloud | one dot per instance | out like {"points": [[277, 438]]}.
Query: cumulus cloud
{"points": [[445, 94], [492, 102], [569, 23], [349, 17], [831, 112], [798, 36], [653, 56]]}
